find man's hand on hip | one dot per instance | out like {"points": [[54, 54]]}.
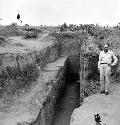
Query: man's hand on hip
{"points": [[110, 65]]}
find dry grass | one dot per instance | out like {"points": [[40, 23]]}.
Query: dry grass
{"points": [[13, 79]]}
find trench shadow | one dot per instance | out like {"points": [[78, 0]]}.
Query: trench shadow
{"points": [[68, 99]]}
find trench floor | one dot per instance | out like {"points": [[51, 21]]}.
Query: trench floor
{"points": [[68, 102]]}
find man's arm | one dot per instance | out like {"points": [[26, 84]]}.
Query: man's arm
{"points": [[115, 59]]}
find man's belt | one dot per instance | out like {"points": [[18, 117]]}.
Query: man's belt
{"points": [[103, 63]]}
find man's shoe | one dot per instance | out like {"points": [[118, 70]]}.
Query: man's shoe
{"points": [[106, 93], [102, 92]]}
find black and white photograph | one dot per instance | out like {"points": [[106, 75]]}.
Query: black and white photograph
{"points": [[59, 62]]}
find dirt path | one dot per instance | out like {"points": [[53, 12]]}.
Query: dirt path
{"points": [[107, 106], [67, 104]]}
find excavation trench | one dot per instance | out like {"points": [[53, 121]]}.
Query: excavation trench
{"points": [[64, 97], [67, 102], [69, 96]]}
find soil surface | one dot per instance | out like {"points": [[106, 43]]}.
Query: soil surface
{"points": [[108, 106]]}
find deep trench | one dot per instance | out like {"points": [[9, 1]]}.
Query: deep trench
{"points": [[68, 95], [69, 98]]}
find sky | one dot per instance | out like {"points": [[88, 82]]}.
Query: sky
{"points": [[56, 12]]}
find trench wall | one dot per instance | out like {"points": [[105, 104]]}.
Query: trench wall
{"points": [[56, 73], [55, 84]]}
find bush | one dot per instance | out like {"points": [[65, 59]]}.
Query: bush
{"points": [[3, 40], [71, 35], [28, 28], [30, 34], [11, 31]]}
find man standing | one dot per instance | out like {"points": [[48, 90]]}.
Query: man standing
{"points": [[107, 59]]}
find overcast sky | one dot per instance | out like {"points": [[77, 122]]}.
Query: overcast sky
{"points": [[56, 12]]}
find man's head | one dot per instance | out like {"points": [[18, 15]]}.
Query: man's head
{"points": [[105, 48]]}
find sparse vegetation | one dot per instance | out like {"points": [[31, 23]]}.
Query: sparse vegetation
{"points": [[3, 40], [11, 31], [30, 34], [14, 30], [63, 35], [28, 28], [13, 79]]}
